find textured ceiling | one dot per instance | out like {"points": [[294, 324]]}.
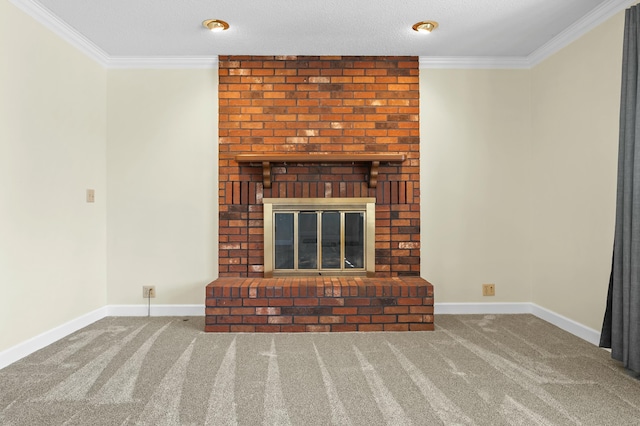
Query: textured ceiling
{"points": [[173, 28]]}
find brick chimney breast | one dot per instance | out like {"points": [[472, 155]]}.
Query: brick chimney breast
{"points": [[328, 105]]}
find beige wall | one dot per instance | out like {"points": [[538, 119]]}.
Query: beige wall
{"points": [[475, 167], [52, 148], [162, 184], [576, 97], [518, 180]]}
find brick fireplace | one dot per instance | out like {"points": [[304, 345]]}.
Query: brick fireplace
{"points": [[338, 112]]}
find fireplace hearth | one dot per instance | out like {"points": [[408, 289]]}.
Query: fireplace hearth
{"points": [[319, 304]]}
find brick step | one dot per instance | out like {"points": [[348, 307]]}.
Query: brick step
{"points": [[319, 304]]}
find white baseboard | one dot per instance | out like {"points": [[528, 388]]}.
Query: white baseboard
{"points": [[27, 347], [38, 342], [156, 310], [566, 324], [481, 308], [569, 325]]}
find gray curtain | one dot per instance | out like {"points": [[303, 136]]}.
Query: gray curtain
{"points": [[621, 326]]}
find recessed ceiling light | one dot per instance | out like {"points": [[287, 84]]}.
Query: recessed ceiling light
{"points": [[425, 26], [215, 25]]}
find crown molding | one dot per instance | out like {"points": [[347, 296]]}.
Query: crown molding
{"points": [[197, 62], [474, 62], [62, 29], [600, 14], [594, 18], [86, 46]]}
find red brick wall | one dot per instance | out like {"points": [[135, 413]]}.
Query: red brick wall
{"points": [[322, 105]]}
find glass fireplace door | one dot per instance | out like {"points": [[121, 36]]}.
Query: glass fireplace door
{"points": [[333, 237]]}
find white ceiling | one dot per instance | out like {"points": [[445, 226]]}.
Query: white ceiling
{"points": [[117, 32]]}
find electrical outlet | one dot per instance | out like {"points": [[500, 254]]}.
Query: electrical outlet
{"points": [[91, 196], [148, 291], [488, 289]]}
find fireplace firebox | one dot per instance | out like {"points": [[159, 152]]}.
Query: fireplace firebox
{"points": [[319, 236]]}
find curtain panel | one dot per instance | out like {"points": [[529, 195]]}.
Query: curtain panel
{"points": [[621, 326]]}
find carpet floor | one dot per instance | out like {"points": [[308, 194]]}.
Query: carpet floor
{"points": [[472, 370]]}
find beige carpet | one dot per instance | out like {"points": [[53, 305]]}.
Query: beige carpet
{"points": [[483, 370]]}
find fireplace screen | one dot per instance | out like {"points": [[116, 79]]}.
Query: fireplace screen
{"points": [[319, 236]]}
